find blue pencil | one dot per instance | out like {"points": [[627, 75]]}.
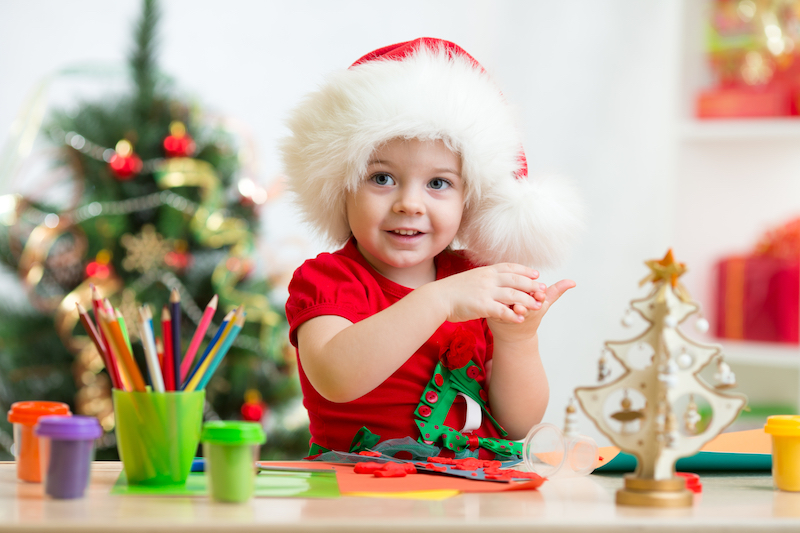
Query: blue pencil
{"points": [[175, 310], [210, 346], [223, 349]]}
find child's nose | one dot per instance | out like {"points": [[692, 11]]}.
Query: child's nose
{"points": [[409, 202]]}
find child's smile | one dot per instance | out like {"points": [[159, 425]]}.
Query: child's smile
{"points": [[408, 209]]}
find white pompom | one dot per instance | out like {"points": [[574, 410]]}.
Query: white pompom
{"points": [[670, 321], [701, 325]]}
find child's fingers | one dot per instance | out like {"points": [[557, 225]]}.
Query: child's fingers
{"points": [[521, 270], [505, 313], [555, 290], [511, 297], [519, 309]]}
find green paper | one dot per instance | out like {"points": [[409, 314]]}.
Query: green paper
{"points": [[320, 484], [700, 462]]}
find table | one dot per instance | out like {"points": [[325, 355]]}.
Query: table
{"points": [[731, 503]]}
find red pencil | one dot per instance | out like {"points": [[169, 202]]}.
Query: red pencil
{"points": [[112, 368], [99, 344], [160, 351], [169, 361], [198, 337]]}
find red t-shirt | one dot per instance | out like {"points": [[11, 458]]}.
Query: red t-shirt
{"points": [[345, 284]]}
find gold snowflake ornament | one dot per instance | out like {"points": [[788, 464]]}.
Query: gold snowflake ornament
{"points": [[145, 250]]}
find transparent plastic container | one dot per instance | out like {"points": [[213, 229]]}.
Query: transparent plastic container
{"points": [[549, 453], [66, 452], [158, 434], [231, 449], [24, 416]]}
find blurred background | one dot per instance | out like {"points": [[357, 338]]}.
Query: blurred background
{"points": [[675, 119]]}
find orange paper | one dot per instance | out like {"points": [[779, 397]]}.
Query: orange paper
{"points": [[748, 441]]}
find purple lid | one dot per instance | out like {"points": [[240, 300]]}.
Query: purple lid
{"points": [[69, 427]]}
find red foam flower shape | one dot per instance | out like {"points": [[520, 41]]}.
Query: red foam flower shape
{"points": [[459, 351]]}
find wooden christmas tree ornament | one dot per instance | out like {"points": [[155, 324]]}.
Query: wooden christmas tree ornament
{"points": [[668, 425]]}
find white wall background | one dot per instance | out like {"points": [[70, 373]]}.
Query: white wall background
{"points": [[596, 83]]}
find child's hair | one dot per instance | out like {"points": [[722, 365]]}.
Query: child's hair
{"points": [[428, 89]]}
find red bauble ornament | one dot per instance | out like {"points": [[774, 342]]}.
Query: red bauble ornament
{"points": [[124, 163], [97, 270], [178, 143], [178, 260], [252, 412]]}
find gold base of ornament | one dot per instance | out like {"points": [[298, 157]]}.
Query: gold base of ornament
{"points": [[655, 493]]}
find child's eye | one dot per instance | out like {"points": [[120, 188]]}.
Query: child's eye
{"points": [[383, 179], [439, 183]]}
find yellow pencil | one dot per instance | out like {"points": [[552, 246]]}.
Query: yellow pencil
{"points": [[125, 356], [210, 357]]}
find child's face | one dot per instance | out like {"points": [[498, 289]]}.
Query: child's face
{"points": [[408, 209]]}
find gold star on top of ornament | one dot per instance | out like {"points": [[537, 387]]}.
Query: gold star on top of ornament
{"points": [[665, 269], [145, 250]]}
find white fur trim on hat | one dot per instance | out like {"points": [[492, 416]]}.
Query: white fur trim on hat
{"points": [[430, 94]]}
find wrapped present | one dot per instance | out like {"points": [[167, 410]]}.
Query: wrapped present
{"points": [[758, 295], [754, 63]]}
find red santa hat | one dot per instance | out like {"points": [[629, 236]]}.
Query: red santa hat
{"points": [[428, 89]]}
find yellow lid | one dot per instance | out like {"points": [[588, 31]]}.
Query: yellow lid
{"points": [[783, 425]]}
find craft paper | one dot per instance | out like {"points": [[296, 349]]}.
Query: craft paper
{"points": [[350, 482], [272, 484], [749, 450]]}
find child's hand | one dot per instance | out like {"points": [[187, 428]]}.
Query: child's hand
{"points": [[521, 330], [503, 292]]}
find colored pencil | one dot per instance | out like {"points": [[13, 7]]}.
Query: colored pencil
{"points": [[112, 368], [227, 342], [212, 348], [177, 350], [146, 333], [159, 351], [199, 334], [124, 328], [166, 334], [98, 343], [125, 358]]}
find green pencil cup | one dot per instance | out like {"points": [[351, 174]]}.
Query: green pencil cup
{"points": [[231, 449], [157, 434]]}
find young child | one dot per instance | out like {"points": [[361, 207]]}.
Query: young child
{"points": [[410, 150]]}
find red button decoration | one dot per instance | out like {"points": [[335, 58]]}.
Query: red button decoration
{"points": [[483, 395], [438, 379], [473, 372], [431, 397], [424, 411]]}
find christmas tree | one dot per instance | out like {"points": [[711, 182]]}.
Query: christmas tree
{"points": [[156, 201], [650, 411]]}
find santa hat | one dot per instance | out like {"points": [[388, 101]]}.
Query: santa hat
{"points": [[428, 89]]}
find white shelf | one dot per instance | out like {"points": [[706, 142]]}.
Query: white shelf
{"points": [[740, 129], [761, 353]]}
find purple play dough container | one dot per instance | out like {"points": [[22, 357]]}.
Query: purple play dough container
{"points": [[66, 451]]}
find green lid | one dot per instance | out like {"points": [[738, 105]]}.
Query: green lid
{"points": [[232, 432], [783, 425]]}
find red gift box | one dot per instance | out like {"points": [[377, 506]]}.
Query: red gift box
{"points": [[758, 299], [758, 296], [774, 101]]}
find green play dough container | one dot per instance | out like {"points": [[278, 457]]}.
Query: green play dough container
{"points": [[157, 434], [231, 451]]}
